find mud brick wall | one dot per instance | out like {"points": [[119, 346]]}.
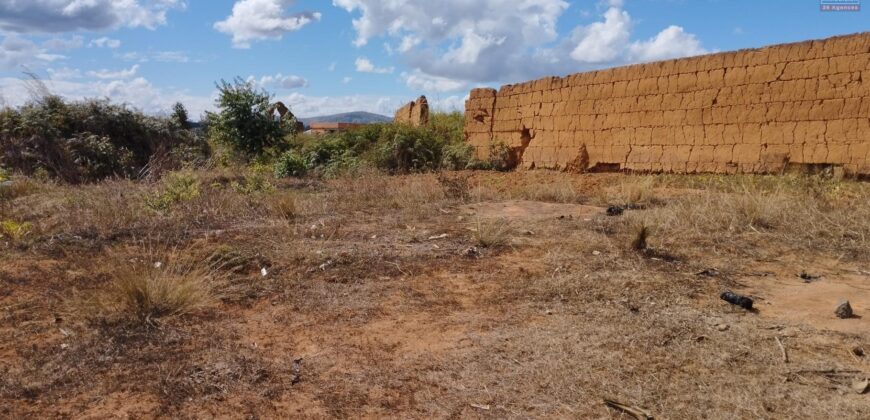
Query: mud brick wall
{"points": [[414, 113], [794, 106]]}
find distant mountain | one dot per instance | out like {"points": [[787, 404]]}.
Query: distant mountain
{"points": [[349, 117]]}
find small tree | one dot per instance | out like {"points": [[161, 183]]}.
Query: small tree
{"points": [[243, 122], [179, 116]]}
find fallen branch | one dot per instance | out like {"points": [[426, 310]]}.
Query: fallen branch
{"points": [[638, 413], [782, 349]]}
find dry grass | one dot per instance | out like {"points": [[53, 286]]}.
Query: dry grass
{"points": [[557, 192], [369, 309], [748, 213], [283, 206], [147, 293], [491, 233], [633, 192]]}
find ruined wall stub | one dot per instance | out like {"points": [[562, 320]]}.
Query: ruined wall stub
{"points": [[794, 106], [414, 113]]}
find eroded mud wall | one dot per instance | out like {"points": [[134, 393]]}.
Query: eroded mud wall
{"points": [[414, 113], [792, 106]]}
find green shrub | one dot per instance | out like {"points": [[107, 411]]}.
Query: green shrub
{"points": [[243, 122], [256, 180], [88, 141], [178, 187], [4, 176], [392, 148], [404, 149], [500, 157], [458, 156], [290, 164]]}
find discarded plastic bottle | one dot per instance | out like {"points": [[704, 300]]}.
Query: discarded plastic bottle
{"points": [[735, 299]]}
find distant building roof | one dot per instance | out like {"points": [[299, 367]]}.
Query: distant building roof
{"points": [[333, 125]]}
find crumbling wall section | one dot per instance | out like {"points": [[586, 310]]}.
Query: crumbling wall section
{"points": [[794, 106], [414, 113]]}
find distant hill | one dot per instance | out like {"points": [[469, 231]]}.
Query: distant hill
{"points": [[349, 117]]}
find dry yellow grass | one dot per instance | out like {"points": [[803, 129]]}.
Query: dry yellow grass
{"points": [[366, 305]]}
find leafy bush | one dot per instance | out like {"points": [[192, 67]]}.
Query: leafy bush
{"points": [[177, 187], [243, 122], [500, 157], [256, 181], [87, 141], [458, 156], [404, 149], [393, 148], [290, 164]]}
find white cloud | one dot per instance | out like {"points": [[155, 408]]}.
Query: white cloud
{"points": [[137, 92], [52, 16], [16, 52], [332, 66], [363, 65], [114, 75], [64, 73], [105, 42], [311, 106], [609, 42], [425, 83], [460, 39], [507, 40], [280, 81], [603, 42], [64, 44], [449, 104], [158, 56], [669, 43], [346, 80], [255, 20]]}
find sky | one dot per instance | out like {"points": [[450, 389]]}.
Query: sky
{"points": [[329, 56]]}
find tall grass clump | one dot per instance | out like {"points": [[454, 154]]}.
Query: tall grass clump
{"points": [[491, 233], [147, 294]]}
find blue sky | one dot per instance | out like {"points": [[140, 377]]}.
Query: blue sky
{"points": [[323, 57]]}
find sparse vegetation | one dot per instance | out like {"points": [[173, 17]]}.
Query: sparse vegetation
{"points": [[15, 231], [378, 265], [177, 187]]}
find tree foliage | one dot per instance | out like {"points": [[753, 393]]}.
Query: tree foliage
{"points": [[243, 122]]}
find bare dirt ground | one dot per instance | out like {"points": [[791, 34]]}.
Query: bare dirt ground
{"points": [[464, 295]]}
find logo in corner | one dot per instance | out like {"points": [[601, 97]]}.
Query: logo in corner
{"points": [[840, 5]]}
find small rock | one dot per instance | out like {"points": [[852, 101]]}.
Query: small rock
{"points": [[860, 386], [472, 252], [596, 253], [615, 211], [738, 300], [723, 327], [844, 311], [807, 277], [858, 351]]}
